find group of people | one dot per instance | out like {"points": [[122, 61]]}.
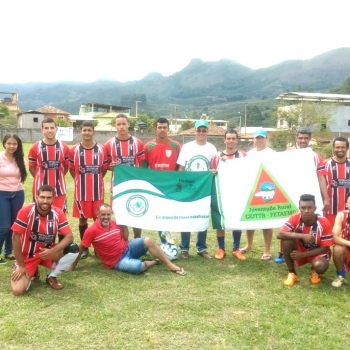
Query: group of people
{"points": [[305, 237]]}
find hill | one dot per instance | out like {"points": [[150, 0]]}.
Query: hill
{"points": [[201, 84]]}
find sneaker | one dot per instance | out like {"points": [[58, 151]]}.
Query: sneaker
{"points": [[314, 277], [220, 254], [184, 255], [85, 254], [280, 258], [239, 255], [291, 279], [338, 282], [205, 255], [2, 261], [52, 281]]}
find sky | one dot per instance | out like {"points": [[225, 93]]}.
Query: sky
{"points": [[125, 40]]}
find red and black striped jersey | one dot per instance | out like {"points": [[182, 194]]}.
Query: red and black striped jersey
{"points": [[39, 231], [88, 165], [320, 229], [217, 158], [49, 162]]}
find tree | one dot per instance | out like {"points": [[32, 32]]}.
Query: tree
{"points": [[188, 124], [314, 115], [143, 118], [7, 118]]}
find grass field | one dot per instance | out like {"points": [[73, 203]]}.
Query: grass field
{"points": [[226, 304]]}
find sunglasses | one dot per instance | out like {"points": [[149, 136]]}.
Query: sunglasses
{"points": [[204, 130]]}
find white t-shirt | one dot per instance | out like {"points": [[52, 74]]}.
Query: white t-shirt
{"points": [[266, 151], [195, 157]]}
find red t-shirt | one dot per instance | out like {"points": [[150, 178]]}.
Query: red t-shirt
{"points": [[39, 231], [109, 244], [162, 156], [50, 161], [319, 164], [321, 230], [88, 165]]}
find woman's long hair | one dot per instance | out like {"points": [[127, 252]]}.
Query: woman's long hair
{"points": [[18, 155]]}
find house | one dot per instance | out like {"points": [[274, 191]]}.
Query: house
{"points": [[33, 119], [104, 113], [340, 108], [175, 123]]}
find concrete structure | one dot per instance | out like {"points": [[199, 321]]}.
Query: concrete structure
{"points": [[340, 108]]}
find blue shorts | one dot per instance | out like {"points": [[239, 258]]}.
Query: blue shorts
{"points": [[130, 261]]}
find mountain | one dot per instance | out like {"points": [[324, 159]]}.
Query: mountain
{"points": [[197, 85]]}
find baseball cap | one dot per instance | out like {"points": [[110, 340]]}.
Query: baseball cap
{"points": [[201, 122], [260, 132]]}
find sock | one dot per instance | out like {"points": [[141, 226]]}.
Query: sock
{"points": [[292, 271], [341, 273], [82, 230], [236, 239], [221, 242], [63, 264]]}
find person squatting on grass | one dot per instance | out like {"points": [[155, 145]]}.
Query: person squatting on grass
{"points": [[306, 238], [341, 249], [34, 234], [13, 173], [111, 245]]}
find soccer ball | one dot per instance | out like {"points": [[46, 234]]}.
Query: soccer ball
{"points": [[170, 250]]}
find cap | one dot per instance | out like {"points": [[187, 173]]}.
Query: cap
{"points": [[260, 132], [201, 122]]}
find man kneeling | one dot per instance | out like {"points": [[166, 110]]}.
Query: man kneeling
{"points": [[341, 250], [306, 238], [111, 245], [34, 233]]}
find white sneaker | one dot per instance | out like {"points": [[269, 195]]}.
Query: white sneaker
{"points": [[338, 282]]}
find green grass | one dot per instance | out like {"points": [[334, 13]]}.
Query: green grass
{"points": [[226, 304]]}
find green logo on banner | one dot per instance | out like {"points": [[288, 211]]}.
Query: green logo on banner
{"points": [[137, 205], [267, 199]]}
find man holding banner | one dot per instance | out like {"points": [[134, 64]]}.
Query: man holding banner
{"points": [[231, 140], [124, 149], [162, 152], [261, 150], [196, 155]]}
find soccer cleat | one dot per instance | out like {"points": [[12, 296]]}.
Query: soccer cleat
{"points": [[314, 277], [85, 254], [220, 254], [291, 279], [2, 261], [280, 258], [338, 282], [52, 281], [239, 255]]}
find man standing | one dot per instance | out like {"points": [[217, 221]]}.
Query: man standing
{"points": [[306, 238], [341, 237], [162, 152], [260, 150], [196, 155], [111, 244], [337, 177], [124, 149], [303, 140], [34, 233], [48, 163], [231, 140], [87, 165]]}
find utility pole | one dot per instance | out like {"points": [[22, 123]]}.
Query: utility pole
{"points": [[175, 115], [245, 119]]}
